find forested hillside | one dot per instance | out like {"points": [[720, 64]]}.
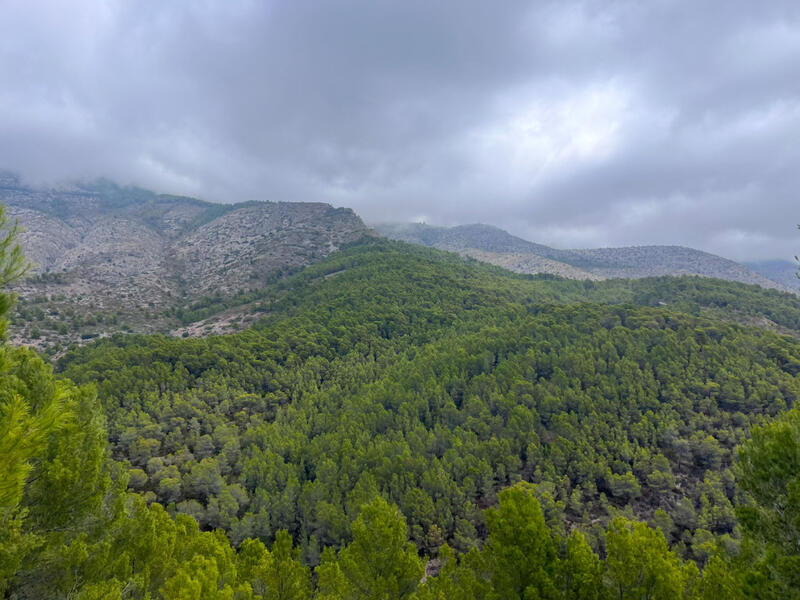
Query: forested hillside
{"points": [[496, 246], [405, 423]]}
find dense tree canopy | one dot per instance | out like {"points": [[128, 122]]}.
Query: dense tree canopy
{"points": [[435, 383], [407, 424]]}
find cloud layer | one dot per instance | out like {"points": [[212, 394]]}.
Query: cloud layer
{"points": [[570, 123]]}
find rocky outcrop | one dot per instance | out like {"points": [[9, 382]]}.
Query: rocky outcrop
{"points": [[244, 246]]}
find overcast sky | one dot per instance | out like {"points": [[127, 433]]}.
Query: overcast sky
{"points": [[574, 124]]}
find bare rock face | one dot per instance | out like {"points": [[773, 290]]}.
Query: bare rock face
{"points": [[248, 244], [46, 239], [127, 256], [653, 261]]}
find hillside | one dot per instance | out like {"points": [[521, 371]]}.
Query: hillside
{"points": [[499, 247], [403, 344], [436, 382], [363, 376], [399, 405], [114, 259], [109, 258]]}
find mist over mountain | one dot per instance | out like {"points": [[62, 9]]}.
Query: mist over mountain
{"points": [[110, 258], [614, 378]]}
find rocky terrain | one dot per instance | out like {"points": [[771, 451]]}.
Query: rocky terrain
{"points": [[520, 262], [496, 246], [108, 258]]}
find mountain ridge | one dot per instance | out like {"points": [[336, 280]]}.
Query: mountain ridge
{"points": [[499, 247], [123, 259]]}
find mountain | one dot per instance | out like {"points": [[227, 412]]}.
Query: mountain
{"points": [[127, 255], [484, 237], [496, 246], [122, 259], [782, 271]]}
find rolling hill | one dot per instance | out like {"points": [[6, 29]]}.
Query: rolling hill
{"points": [[499, 247]]}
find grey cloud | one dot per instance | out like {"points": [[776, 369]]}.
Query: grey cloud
{"points": [[571, 123]]}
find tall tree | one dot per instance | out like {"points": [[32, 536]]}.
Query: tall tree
{"points": [[769, 469], [52, 449], [640, 565], [379, 563], [520, 551]]}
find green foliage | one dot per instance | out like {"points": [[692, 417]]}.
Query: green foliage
{"points": [[12, 262], [12, 265], [769, 470], [378, 563], [581, 570], [520, 552], [457, 578], [434, 382], [52, 444], [640, 565], [374, 415]]}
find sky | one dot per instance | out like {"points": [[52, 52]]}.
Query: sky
{"points": [[573, 124]]}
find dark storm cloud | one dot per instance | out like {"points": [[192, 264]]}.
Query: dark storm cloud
{"points": [[570, 123]]}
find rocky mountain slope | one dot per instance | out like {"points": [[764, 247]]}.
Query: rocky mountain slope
{"points": [[107, 257], [496, 246]]}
